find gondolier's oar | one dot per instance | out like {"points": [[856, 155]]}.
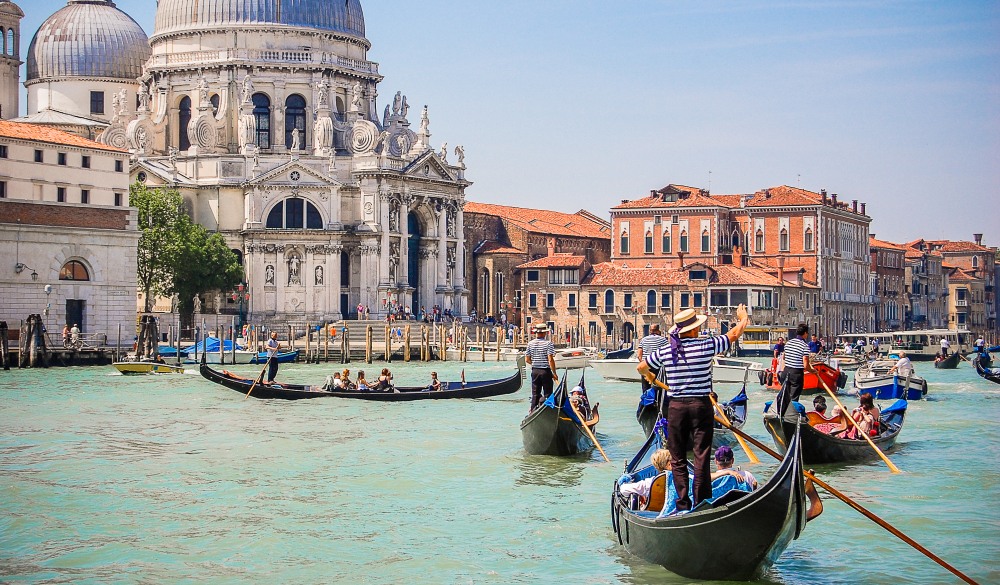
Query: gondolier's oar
{"points": [[843, 409], [586, 429], [258, 378], [750, 455], [864, 511]]}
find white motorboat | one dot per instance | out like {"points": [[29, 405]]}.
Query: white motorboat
{"points": [[623, 369], [214, 357], [475, 354], [730, 370], [575, 357]]}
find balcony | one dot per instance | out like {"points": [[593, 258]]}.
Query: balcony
{"points": [[962, 303]]}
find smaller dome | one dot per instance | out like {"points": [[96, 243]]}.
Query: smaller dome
{"points": [[88, 38]]}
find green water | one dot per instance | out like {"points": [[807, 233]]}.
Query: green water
{"points": [[157, 479]]}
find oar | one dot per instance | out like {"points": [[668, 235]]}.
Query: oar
{"points": [[258, 378], [843, 409], [864, 511], [586, 429], [746, 448]]}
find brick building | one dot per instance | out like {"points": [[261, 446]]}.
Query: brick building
{"points": [[925, 289], [978, 263], [781, 227], [888, 274], [69, 234], [499, 238], [604, 303], [967, 307]]}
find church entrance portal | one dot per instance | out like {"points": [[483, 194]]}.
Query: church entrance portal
{"points": [[413, 260]]}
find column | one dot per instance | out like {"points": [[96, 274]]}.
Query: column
{"points": [[385, 201], [460, 248], [442, 249], [403, 272], [333, 251]]}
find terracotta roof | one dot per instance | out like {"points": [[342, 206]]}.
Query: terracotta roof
{"points": [[494, 247], [874, 243], [22, 131], [780, 196], [560, 260], [956, 246], [542, 221], [693, 198], [753, 276], [607, 274], [959, 275]]}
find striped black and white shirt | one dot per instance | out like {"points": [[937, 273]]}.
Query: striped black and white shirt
{"points": [[538, 351], [691, 375], [650, 343], [795, 352]]}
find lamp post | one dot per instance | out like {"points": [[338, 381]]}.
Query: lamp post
{"points": [[241, 294]]}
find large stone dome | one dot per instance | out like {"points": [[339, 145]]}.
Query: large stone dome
{"points": [[88, 38], [179, 16]]}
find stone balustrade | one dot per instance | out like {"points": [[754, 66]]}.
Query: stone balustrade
{"points": [[265, 56]]}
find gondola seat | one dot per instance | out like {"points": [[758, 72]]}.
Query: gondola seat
{"points": [[657, 495]]}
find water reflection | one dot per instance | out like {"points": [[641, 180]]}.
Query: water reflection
{"points": [[549, 471]]}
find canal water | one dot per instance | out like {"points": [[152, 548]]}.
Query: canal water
{"points": [[158, 479]]}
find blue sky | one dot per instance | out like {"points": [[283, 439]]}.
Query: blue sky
{"points": [[579, 104]]}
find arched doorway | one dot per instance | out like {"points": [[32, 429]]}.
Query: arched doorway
{"points": [[413, 259]]}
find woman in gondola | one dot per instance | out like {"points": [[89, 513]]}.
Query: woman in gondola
{"points": [[362, 383], [384, 381], [660, 459], [867, 416], [345, 379]]}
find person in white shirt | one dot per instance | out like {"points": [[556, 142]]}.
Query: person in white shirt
{"points": [[661, 462], [904, 367], [272, 351], [945, 346]]}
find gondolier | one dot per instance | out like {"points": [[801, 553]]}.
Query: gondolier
{"points": [[796, 365], [272, 352], [540, 355], [687, 363], [648, 345]]}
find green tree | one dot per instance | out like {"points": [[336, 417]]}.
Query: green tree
{"points": [[204, 263]]}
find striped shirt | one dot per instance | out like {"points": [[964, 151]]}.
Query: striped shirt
{"points": [[538, 351], [650, 343], [795, 353], [692, 374]]}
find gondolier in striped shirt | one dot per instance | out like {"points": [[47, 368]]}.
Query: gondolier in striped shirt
{"points": [[648, 345], [686, 362], [540, 355], [796, 365]]}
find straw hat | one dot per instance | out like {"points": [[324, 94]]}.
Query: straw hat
{"points": [[540, 328], [687, 320]]}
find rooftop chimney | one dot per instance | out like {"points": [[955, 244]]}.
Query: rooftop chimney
{"points": [[652, 193], [800, 277], [863, 208], [978, 238], [834, 199], [823, 193], [624, 201], [854, 205]]}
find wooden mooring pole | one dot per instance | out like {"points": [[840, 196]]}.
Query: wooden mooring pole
{"points": [[4, 349]]}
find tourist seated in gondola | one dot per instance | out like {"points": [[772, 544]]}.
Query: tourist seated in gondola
{"points": [[819, 405], [361, 382], [579, 399], [868, 417], [384, 381], [435, 384], [642, 489], [334, 382], [345, 379], [744, 480]]}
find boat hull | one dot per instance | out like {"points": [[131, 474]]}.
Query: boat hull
{"points": [[948, 363], [811, 382], [620, 369], [213, 357], [819, 448], [284, 357], [475, 355], [130, 368], [575, 358], [891, 387], [549, 431], [732, 371]]}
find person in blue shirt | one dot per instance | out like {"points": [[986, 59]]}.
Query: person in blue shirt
{"points": [[814, 346]]}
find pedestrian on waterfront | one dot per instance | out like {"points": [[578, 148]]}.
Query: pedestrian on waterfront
{"points": [[796, 365], [648, 345], [687, 365], [272, 352], [74, 334], [540, 355], [814, 346], [65, 335]]}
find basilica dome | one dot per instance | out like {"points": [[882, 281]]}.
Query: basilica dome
{"points": [[180, 16], [88, 38]]}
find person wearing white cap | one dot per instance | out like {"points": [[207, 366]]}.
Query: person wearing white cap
{"points": [[687, 364], [540, 355]]}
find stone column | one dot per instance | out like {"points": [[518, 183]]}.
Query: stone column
{"points": [[333, 285], [403, 272], [384, 201], [442, 248], [369, 250], [460, 248]]}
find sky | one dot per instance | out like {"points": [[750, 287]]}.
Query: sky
{"points": [[570, 104]]}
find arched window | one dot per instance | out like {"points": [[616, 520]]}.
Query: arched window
{"points": [[11, 46], [3, 41], [624, 242], [649, 241], [706, 243], [807, 239], [215, 103], [262, 119], [783, 240], [735, 240], [650, 302], [975, 262], [295, 117], [239, 256], [667, 248], [609, 301], [684, 241], [294, 213], [183, 119], [74, 270], [759, 241]]}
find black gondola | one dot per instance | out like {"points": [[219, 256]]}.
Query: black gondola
{"points": [[648, 413], [820, 447], [475, 389], [552, 428], [735, 538], [990, 374], [948, 363]]}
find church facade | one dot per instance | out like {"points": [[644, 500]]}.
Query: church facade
{"points": [[264, 115]]}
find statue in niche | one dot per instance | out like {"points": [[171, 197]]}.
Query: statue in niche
{"points": [[404, 108], [202, 91], [218, 303], [444, 152], [393, 260], [450, 222], [247, 89], [196, 303], [143, 97], [393, 218], [323, 93], [356, 97], [319, 276], [460, 154], [293, 269], [269, 275], [295, 139], [397, 103]]}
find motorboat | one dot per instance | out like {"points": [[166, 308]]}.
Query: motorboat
{"points": [[736, 371], [622, 369], [575, 357]]}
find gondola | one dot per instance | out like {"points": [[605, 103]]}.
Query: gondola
{"points": [[990, 374], [948, 363], [283, 357], [819, 447], [475, 389], [648, 413], [833, 377], [734, 538], [553, 429]]}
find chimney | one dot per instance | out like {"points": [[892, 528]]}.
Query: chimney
{"points": [[781, 269], [854, 205], [800, 277], [551, 245], [978, 238], [624, 201], [872, 236], [863, 208], [822, 192], [767, 193], [738, 255], [833, 198], [652, 193]]}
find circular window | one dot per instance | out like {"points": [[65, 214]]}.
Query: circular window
{"points": [[294, 175], [141, 176]]}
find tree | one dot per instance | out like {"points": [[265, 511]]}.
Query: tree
{"points": [[205, 263]]}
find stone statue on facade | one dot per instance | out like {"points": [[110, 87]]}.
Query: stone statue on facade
{"points": [[172, 157], [218, 303], [451, 221], [269, 274], [295, 139], [323, 93], [356, 97], [115, 105], [460, 154], [247, 130], [444, 153], [196, 303], [143, 98], [293, 269], [247, 89], [319, 276], [393, 217], [404, 108], [397, 103], [425, 122]]}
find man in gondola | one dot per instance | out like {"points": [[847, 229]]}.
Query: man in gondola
{"points": [[272, 357], [540, 355], [648, 345], [686, 363]]}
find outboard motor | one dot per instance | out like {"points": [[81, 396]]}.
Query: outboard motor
{"points": [[842, 380]]}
